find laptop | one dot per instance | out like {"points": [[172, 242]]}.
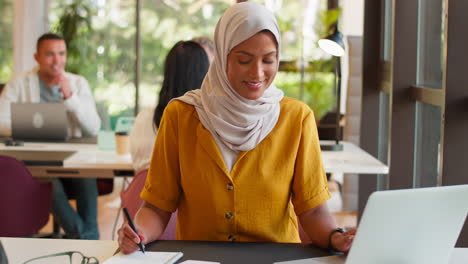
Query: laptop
{"points": [[39, 121], [410, 226]]}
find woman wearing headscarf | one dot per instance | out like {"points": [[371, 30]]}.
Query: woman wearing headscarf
{"points": [[237, 159]]}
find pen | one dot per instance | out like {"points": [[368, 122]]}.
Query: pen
{"points": [[130, 222]]}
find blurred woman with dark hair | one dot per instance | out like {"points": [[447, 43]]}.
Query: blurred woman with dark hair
{"points": [[186, 66], [184, 69], [208, 45]]}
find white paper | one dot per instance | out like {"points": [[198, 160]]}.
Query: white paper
{"points": [[139, 257], [323, 260]]}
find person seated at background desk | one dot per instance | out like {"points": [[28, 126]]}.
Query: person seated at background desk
{"points": [[239, 161], [50, 83], [184, 69]]}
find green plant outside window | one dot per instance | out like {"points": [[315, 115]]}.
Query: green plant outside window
{"points": [[103, 47]]}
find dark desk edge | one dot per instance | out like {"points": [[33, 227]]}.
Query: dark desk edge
{"points": [[239, 252], [84, 140]]}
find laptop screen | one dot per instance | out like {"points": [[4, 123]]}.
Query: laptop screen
{"points": [[410, 226], [39, 121]]}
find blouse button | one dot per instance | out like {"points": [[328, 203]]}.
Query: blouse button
{"points": [[229, 215], [229, 186]]}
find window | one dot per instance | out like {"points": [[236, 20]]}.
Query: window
{"points": [[430, 40], [6, 40], [428, 127], [427, 145], [110, 61]]}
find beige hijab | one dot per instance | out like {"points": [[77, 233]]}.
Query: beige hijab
{"points": [[237, 124]]}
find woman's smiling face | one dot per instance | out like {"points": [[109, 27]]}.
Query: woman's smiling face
{"points": [[252, 65]]}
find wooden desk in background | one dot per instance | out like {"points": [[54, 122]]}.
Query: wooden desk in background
{"points": [[88, 161], [83, 160], [351, 159]]}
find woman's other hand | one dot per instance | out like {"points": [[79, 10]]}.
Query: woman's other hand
{"points": [[342, 241]]}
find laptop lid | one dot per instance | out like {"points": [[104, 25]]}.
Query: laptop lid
{"points": [[410, 226], [39, 121]]}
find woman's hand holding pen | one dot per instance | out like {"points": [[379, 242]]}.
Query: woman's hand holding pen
{"points": [[149, 224], [129, 240]]}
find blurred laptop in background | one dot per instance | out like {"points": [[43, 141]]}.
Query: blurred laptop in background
{"points": [[39, 122]]}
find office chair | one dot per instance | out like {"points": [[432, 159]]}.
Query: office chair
{"points": [[24, 202], [104, 186], [130, 198]]}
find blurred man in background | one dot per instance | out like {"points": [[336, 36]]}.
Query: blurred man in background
{"points": [[49, 83]]}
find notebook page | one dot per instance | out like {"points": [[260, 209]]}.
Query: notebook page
{"points": [[139, 257]]}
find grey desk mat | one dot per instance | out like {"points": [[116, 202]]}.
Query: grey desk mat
{"points": [[238, 253]]}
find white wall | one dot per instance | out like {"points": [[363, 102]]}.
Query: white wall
{"points": [[352, 20], [29, 25], [352, 26]]}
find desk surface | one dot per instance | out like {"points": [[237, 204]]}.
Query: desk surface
{"points": [[238, 253], [18, 250], [351, 159], [224, 252], [85, 156]]}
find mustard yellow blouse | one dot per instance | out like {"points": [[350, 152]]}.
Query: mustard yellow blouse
{"points": [[258, 200]]}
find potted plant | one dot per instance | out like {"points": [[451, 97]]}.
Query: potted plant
{"points": [[74, 25]]}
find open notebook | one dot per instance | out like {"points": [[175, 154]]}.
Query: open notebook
{"points": [[139, 257]]}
